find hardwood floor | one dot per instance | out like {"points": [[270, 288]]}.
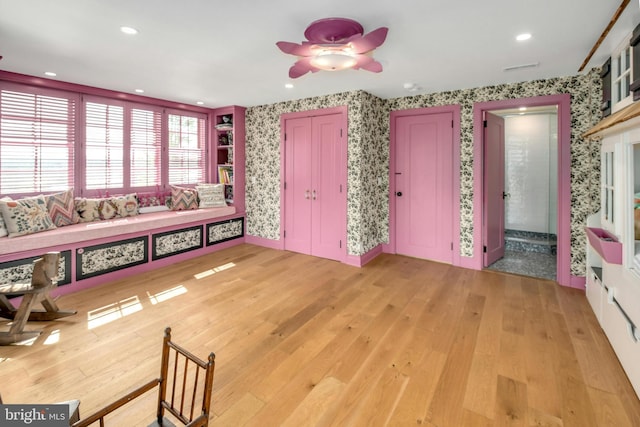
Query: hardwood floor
{"points": [[303, 341]]}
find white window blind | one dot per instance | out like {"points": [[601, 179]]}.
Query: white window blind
{"points": [[104, 147], [146, 148], [187, 140], [37, 137]]}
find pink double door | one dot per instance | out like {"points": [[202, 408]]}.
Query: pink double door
{"points": [[315, 186], [424, 185]]}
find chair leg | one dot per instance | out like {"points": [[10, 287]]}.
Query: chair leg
{"points": [[16, 331], [7, 310], [52, 311]]}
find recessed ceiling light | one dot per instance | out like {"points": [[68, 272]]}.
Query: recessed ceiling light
{"points": [[522, 108], [200, 103], [411, 87], [140, 90], [289, 85], [50, 73], [129, 30], [522, 37]]}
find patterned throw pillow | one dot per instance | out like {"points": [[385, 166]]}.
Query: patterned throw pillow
{"points": [[211, 195], [127, 205], [183, 199], [152, 199], [26, 216], [107, 209], [88, 209], [62, 209], [3, 227]]}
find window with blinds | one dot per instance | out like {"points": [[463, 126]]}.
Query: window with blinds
{"points": [[104, 146], [53, 140], [187, 140], [37, 137], [146, 146], [123, 149]]}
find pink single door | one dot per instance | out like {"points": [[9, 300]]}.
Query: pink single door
{"points": [[315, 186], [424, 186], [328, 189], [493, 188], [297, 191]]}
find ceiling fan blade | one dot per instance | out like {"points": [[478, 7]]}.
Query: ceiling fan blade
{"points": [[295, 49], [370, 41], [373, 66], [366, 62], [301, 67]]}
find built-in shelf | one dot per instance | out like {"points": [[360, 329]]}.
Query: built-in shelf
{"points": [[605, 244]]}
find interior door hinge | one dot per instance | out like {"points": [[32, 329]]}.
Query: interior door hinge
{"points": [[484, 123], [484, 249], [285, 136], [284, 234], [451, 245], [452, 124], [340, 133], [341, 188], [285, 185], [340, 244]]}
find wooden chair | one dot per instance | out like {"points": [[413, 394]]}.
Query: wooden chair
{"points": [[184, 389], [43, 280]]}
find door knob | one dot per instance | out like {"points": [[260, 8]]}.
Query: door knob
{"points": [[399, 194]]}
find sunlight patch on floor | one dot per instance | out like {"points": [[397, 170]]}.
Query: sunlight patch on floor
{"points": [[27, 342], [167, 294], [214, 270], [53, 337], [109, 313]]}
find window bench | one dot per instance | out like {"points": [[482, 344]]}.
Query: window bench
{"points": [[100, 251]]}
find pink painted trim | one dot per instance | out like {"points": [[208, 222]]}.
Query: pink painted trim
{"points": [[563, 101], [90, 90], [361, 260], [266, 243], [344, 111], [578, 282], [390, 247]]}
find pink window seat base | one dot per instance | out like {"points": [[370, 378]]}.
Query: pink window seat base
{"points": [[102, 229]]}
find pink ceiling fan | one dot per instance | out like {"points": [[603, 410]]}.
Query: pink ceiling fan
{"points": [[335, 44]]}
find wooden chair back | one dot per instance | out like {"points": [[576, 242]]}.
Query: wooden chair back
{"points": [[184, 389], [186, 384]]}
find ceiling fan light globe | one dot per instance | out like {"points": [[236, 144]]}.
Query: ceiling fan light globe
{"points": [[333, 61]]}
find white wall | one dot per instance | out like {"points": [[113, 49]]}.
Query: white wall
{"points": [[531, 159]]}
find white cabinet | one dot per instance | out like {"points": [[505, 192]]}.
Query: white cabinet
{"points": [[613, 278]]}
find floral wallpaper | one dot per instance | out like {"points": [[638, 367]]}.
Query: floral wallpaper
{"points": [[368, 154], [177, 242], [100, 259], [223, 231], [20, 271]]}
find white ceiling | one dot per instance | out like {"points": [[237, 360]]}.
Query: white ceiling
{"points": [[224, 53]]}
